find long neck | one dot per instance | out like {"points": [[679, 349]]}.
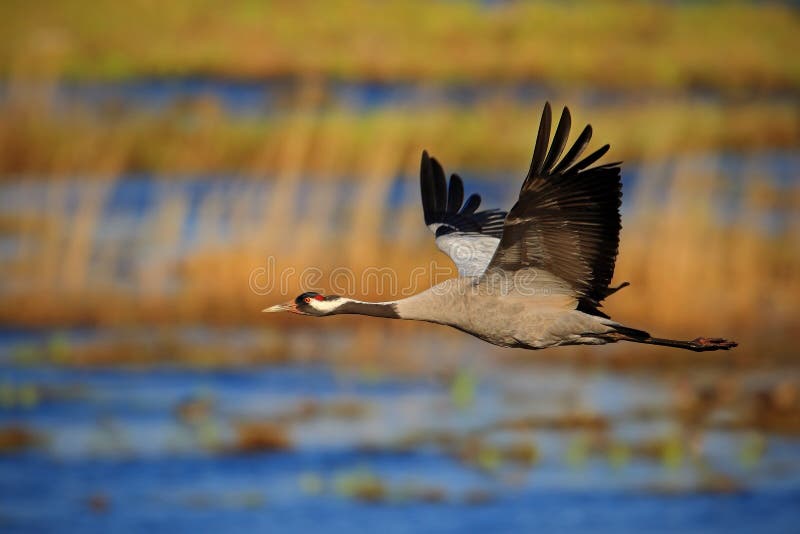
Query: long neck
{"points": [[375, 309], [425, 306]]}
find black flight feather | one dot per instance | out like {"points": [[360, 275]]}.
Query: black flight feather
{"points": [[542, 138], [566, 220], [559, 140], [442, 204], [455, 194]]}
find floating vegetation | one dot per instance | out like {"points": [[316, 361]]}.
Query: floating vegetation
{"points": [[195, 410], [752, 451], [361, 484], [418, 439], [27, 396], [777, 410], [17, 438], [672, 452], [310, 409], [462, 389], [258, 437], [522, 453], [577, 451], [490, 457], [619, 455], [22, 396], [98, 503], [564, 422]]}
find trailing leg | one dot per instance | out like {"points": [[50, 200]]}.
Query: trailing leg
{"points": [[700, 344]]}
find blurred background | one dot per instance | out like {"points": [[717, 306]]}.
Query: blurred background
{"points": [[162, 163]]}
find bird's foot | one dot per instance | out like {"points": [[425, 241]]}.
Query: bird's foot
{"points": [[712, 343]]}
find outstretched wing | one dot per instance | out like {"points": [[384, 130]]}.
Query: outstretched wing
{"points": [[468, 236], [566, 221]]}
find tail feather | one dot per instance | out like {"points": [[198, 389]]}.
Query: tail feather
{"points": [[700, 344]]}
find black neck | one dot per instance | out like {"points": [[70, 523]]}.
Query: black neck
{"points": [[374, 309]]}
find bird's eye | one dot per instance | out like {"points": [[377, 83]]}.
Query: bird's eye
{"points": [[307, 300]]}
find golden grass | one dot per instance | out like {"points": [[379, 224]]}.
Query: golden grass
{"points": [[691, 273], [38, 139], [730, 46]]}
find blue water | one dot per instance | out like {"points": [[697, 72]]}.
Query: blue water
{"points": [[274, 94], [118, 458], [191, 495]]}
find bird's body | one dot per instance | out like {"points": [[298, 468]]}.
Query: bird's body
{"points": [[496, 312], [533, 277]]}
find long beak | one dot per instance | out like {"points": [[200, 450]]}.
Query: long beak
{"points": [[286, 306]]}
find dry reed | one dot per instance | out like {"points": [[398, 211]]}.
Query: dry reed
{"points": [[691, 272], [36, 139]]}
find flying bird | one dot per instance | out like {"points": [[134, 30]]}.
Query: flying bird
{"points": [[533, 277]]}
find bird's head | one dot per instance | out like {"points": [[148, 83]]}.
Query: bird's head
{"points": [[309, 303]]}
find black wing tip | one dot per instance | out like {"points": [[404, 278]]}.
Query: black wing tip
{"points": [[443, 202], [455, 194], [425, 161], [440, 197], [471, 205], [427, 188], [547, 152], [542, 141], [590, 159], [559, 141], [425, 165]]}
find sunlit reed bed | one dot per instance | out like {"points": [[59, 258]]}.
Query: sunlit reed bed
{"points": [[649, 45], [729, 270], [40, 137]]}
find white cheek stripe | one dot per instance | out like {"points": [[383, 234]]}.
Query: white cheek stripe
{"points": [[326, 305]]}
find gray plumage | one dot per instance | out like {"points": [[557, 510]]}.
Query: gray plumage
{"points": [[534, 277]]}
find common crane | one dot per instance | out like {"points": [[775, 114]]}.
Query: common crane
{"points": [[533, 277]]}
